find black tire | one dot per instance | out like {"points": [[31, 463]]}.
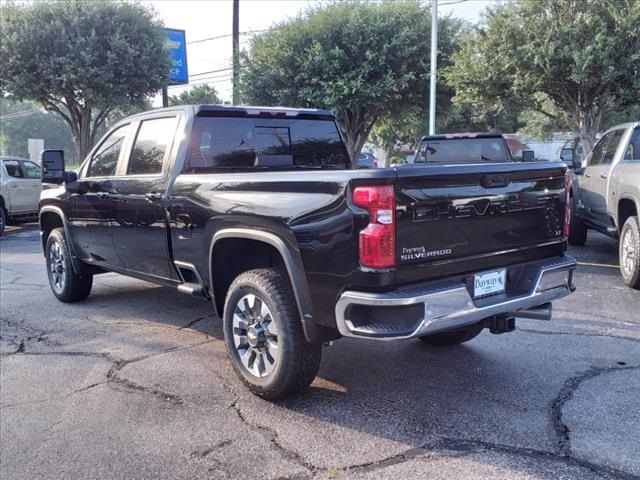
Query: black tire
{"points": [[3, 219], [630, 253], [296, 361], [65, 283], [453, 337], [577, 228]]}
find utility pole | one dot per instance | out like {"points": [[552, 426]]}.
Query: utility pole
{"points": [[434, 67], [165, 97], [236, 51]]}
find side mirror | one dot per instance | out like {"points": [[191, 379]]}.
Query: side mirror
{"points": [[566, 155], [528, 155], [52, 166], [577, 166]]}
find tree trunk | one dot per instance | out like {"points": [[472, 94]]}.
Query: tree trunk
{"points": [[587, 123], [387, 156]]}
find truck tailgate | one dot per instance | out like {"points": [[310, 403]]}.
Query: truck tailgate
{"points": [[456, 213]]}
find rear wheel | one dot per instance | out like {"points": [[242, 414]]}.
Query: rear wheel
{"points": [[264, 337], [3, 219], [65, 283], [577, 228], [453, 337], [630, 253]]}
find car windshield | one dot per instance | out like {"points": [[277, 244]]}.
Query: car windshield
{"points": [[463, 150]]}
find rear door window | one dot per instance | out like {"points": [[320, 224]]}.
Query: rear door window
{"points": [[220, 143], [105, 159], [151, 145]]}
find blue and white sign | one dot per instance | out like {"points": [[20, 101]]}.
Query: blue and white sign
{"points": [[178, 47]]}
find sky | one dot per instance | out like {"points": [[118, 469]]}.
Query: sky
{"points": [[212, 18]]}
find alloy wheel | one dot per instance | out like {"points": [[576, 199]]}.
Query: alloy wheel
{"points": [[629, 254], [56, 266], [255, 336]]}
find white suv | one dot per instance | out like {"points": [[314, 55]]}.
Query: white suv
{"points": [[20, 187]]}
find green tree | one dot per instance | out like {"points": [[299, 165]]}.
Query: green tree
{"points": [[200, 95], [582, 55], [363, 60], [21, 121], [81, 59]]}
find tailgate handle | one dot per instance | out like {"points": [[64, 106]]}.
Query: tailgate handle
{"points": [[493, 181]]}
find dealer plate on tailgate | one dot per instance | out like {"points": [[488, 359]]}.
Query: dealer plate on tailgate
{"points": [[489, 283]]}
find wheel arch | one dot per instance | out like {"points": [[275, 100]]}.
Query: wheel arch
{"points": [[260, 243], [627, 207], [53, 217]]}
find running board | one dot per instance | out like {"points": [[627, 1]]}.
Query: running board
{"points": [[191, 289], [192, 281]]}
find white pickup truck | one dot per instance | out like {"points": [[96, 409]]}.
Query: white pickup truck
{"points": [[608, 196], [20, 188]]}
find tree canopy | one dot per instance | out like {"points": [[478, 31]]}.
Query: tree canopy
{"points": [[24, 120], [363, 60], [81, 59], [199, 95], [571, 61]]}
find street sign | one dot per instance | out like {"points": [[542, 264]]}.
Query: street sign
{"points": [[177, 45]]}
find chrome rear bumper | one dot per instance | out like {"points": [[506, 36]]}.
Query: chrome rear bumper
{"points": [[435, 307]]}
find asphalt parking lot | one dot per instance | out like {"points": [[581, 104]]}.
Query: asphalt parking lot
{"points": [[134, 383]]}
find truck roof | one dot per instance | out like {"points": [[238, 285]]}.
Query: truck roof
{"points": [[450, 136], [256, 110]]}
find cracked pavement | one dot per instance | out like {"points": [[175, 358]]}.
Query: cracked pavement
{"points": [[135, 383]]}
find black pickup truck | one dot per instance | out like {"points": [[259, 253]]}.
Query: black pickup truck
{"points": [[259, 211]]}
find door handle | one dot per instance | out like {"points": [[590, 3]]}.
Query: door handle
{"points": [[153, 196], [588, 175], [103, 195], [604, 175], [13, 185]]}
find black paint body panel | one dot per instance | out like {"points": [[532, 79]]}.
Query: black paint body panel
{"points": [[488, 215]]}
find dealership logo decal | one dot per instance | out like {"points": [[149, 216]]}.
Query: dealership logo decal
{"points": [[418, 253]]}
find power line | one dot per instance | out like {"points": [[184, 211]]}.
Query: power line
{"points": [[25, 113], [211, 71], [226, 35]]}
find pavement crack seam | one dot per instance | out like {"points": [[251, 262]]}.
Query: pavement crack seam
{"points": [[563, 433], [112, 374], [193, 322], [274, 439]]}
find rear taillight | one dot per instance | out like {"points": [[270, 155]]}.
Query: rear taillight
{"points": [[378, 240], [375, 162], [567, 206]]}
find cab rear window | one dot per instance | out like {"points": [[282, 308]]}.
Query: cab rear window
{"points": [[241, 143], [463, 150]]}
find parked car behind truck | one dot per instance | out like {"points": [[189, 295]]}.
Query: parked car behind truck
{"points": [[259, 211], [19, 189], [608, 196]]}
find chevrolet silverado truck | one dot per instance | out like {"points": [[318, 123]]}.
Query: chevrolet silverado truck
{"points": [[259, 211], [607, 197]]}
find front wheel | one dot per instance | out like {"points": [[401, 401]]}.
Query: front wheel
{"points": [[630, 253], [264, 337], [65, 283], [577, 228], [454, 337]]}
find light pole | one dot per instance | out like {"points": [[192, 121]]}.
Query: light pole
{"points": [[434, 67]]}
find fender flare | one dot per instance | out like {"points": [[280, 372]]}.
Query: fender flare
{"points": [[292, 261], [75, 261]]}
